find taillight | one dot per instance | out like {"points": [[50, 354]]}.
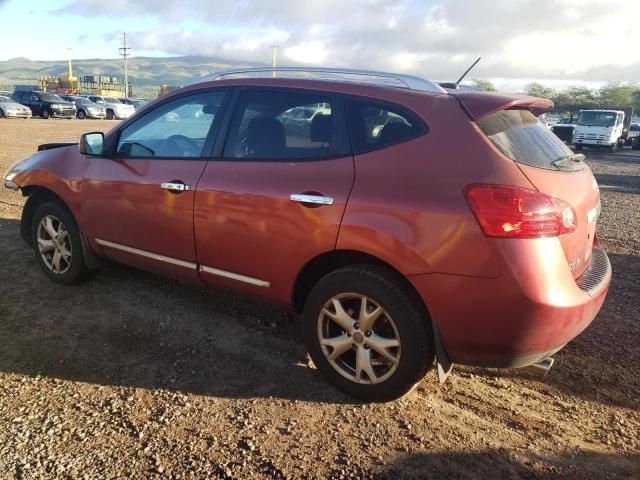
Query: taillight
{"points": [[513, 212]]}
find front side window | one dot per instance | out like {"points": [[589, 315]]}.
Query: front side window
{"points": [[282, 125], [177, 129], [377, 125]]}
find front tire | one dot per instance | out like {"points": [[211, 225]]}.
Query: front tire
{"points": [[57, 244], [613, 147], [367, 334], [81, 114], [578, 148], [45, 114], [1, 113]]}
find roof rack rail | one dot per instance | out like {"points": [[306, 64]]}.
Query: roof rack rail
{"points": [[405, 81]]}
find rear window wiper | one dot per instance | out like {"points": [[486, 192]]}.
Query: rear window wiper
{"points": [[569, 160]]}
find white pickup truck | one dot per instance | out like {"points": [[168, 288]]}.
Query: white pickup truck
{"points": [[601, 128]]}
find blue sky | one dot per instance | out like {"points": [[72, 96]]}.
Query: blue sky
{"points": [[560, 42], [38, 31]]}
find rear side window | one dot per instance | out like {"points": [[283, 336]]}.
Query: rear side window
{"points": [[271, 125], [377, 125], [520, 136]]}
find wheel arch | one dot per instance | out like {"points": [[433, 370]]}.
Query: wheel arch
{"points": [[328, 262], [36, 196]]}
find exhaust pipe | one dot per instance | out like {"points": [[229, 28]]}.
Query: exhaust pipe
{"points": [[541, 368]]}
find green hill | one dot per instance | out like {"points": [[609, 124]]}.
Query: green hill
{"points": [[146, 74]]}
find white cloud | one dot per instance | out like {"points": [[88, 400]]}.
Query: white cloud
{"points": [[594, 40]]}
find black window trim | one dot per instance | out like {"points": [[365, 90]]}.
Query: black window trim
{"points": [[412, 115], [212, 136], [339, 112]]}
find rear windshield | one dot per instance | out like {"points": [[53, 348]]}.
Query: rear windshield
{"points": [[520, 136]]}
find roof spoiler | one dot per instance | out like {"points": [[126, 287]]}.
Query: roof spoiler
{"points": [[482, 104]]}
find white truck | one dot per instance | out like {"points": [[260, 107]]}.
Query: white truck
{"points": [[602, 128]]}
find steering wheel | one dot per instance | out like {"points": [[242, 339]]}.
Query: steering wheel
{"points": [[180, 146]]}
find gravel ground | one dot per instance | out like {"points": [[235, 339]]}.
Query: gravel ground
{"points": [[136, 376]]}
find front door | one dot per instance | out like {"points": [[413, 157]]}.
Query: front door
{"points": [[138, 203], [276, 197]]}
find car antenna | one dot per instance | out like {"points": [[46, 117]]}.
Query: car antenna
{"points": [[455, 86]]}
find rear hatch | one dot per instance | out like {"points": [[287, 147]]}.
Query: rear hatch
{"points": [[550, 166]]}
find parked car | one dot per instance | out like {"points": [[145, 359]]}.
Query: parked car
{"points": [[450, 233], [136, 103], [45, 104], [11, 109], [114, 107], [86, 108], [564, 129]]}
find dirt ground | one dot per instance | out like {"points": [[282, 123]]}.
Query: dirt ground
{"points": [[135, 376]]}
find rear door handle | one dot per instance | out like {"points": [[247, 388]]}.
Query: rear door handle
{"points": [[315, 199], [175, 186]]}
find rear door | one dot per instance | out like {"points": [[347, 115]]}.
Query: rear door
{"points": [[547, 163], [139, 202], [275, 197]]}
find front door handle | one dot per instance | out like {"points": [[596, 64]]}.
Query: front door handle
{"points": [[175, 186], [314, 199]]}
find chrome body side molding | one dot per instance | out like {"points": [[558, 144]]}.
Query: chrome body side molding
{"points": [[182, 263], [235, 276], [144, 253]]}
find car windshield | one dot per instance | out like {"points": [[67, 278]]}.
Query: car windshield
{"points": [[50, 97], [5, 99], [111, 100], [597, 119], [82, 100], [520, 136]]}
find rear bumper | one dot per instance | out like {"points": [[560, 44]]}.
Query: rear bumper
{"points": [[532, 309]]}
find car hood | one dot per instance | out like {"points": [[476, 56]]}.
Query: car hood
{"points": [[12, 104]]}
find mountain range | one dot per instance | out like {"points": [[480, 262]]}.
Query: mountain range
{"points": [[146, 74]]}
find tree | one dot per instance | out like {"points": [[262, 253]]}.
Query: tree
{"points": [[538, 90], [484, 85], [618, 95], [575, 98]]}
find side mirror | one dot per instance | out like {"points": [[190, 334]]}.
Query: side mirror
{"points": [[92, 143]]}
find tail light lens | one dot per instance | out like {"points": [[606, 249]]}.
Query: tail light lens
{"points": [[511, 212]]}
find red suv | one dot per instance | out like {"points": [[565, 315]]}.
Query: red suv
{"points": [[406, 222]]}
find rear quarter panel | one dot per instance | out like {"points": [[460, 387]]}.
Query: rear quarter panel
{"points": [[407, 206]]}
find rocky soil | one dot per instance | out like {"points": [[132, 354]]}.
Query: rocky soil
{"points": [[135, 376]]}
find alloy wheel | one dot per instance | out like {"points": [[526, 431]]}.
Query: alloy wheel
{"points": [[54, 244], [359, 338]]}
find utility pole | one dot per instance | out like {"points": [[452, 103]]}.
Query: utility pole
{"points": [[274, 58], [124, 53], [69, 50]]}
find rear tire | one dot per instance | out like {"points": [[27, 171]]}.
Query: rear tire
{"points": [[81, 114], [57, 244], [110, 115], [376, 357]]}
